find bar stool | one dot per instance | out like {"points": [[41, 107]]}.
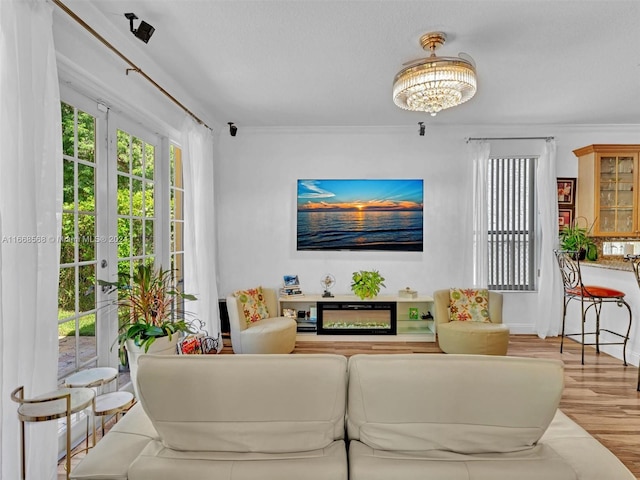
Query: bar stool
{"points": [[50, 406], [111, 403], [590, 296], [635, 263]]}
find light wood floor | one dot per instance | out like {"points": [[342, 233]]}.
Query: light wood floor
{"points": [[601, 396]]}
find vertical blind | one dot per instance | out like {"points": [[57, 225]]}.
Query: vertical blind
{"points": [[511, 223]]}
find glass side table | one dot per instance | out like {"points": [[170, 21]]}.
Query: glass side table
{"points": [[50, 406]]}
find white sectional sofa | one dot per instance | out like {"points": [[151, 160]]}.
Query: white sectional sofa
{"points": [[441, 417], [471, 417]]}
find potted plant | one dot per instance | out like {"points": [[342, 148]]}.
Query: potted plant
{"points": [[149, 314], [366, 284], [574, 238]]}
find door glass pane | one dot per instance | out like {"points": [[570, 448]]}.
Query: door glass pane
{"points": [[86, 137], [86, 188], [124, 207], [136, 157], [67, 189], [137, 239], [124, 155], [86, 237], [67, 348], [67, 244], [68, 129], [148, 236], [149, 164], [124, 235], [88, 350]]}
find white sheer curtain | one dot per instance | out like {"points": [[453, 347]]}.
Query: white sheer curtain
{"points": [[549, 282], [479, 154], [200, 231], [30, 219]]}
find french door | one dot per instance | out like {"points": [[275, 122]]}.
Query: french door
{"points": [[112, 221]]}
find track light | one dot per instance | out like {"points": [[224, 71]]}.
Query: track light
{"points": [[422, 128], [144, 30], [232, 129]]}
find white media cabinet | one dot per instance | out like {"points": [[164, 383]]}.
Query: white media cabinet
{"points": [[406, 325]]}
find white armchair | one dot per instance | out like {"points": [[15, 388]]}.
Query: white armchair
{"points": [[467, 337], [270, 335]]}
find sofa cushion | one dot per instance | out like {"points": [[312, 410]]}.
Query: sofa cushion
{"points": [[159, 463], [125, 441], [469, 305], [244, 403], [536, 463], [253, 304], [461, 403]]}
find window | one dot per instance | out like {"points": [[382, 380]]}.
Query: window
{"points": [[511, 223]]}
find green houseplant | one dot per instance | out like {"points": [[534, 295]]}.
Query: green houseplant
{"points": [[575, 238], [148, 309], [366, 283]]}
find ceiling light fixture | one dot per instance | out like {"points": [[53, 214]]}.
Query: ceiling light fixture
{"points": [[233, 130], [144, 30], [434, 83]]}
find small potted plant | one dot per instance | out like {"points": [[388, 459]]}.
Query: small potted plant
{"points": [[366, 284], [150, 318], [574, 238]]}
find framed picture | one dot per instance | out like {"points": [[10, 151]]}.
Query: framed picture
{"points": [[565, 217], [566, 191], [413, 313], [291, 281]]}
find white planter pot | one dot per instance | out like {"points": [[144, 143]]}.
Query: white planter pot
{"points": [[162, 346]]}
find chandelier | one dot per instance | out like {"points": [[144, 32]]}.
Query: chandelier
{"points": [[434, 83]]}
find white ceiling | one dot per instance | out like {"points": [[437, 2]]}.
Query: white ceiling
{"points": [[332, 63]]}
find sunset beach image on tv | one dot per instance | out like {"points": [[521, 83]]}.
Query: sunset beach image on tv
{"points": [[368, 214]]}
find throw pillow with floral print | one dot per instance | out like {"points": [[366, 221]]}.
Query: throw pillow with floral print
{"points": [[253, 304], [469, 305]]}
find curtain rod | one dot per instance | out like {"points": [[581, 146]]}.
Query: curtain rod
{"points": [[509, 138], [133, 66]]}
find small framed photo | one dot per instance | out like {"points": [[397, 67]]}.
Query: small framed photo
{"points": [[566, 191], [565, 217], [413, 313], [289, 312], [291, 281]]}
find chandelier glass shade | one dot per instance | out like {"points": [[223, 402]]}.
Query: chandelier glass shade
{"points": [[434, 83]]}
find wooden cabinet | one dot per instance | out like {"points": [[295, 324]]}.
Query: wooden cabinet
{"points": [[607, 189]]}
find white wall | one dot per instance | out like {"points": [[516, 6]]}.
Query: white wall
{"points": [[256, 174]]}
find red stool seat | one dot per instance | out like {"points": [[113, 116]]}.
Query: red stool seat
{"points": [[595, 291]]}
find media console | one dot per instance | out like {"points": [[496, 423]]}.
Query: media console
{"points": [[346, 315]]}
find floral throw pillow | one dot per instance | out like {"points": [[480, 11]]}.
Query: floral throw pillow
{"points": [[469, 305], [253, 304]]}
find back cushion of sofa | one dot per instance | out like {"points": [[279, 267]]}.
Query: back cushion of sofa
{"points": [[459, 403], [244, 403]]}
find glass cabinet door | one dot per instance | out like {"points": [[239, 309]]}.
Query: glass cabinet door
{"points": [[616, 212]]}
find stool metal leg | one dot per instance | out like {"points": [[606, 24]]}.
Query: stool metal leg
{"points": [[23, 463]]}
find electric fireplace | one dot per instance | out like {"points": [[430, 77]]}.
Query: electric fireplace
{"points": [[357, 318]]}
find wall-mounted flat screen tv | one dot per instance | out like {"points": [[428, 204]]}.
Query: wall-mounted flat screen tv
{"points": [[370, 214]]}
